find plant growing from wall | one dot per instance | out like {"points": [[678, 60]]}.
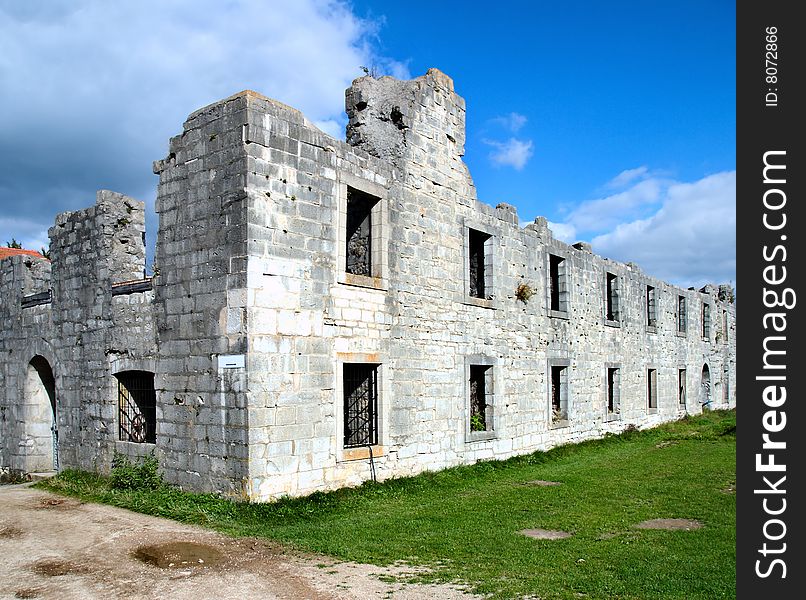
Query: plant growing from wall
{"points": [[477, 423], [524, 292]]}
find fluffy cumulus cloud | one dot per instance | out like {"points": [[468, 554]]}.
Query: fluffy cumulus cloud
{"points": [[513, 153], [689, 240], [92, 90], [684, 233]]}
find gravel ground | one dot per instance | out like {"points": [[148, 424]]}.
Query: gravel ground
{"points": [[58, 548]]}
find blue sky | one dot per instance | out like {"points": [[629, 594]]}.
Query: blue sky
{"points": [[615, 120]]}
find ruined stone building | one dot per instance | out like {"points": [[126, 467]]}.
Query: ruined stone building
{"points": [[322, 311]]}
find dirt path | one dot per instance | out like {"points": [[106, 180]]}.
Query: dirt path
{"points": [[58, 548]]}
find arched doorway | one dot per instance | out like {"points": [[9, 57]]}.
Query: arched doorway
{"points": [[705, 388], [40, 424]]}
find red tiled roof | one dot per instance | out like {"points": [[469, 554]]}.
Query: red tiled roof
{"points": [[6, 252]]}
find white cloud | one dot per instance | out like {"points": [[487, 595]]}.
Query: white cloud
{"points": [[513, 153], [563, 231], [512, 122], [604, 213], [30, 234], [92, 90], [690, 240], [626, 177]]}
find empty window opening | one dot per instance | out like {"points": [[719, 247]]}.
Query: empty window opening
{"points": [[359, 232], [558, 283], [681, 314], [651, 309], [652, 389], [612, 297], [360, 405], [726, 384], [725, 326], [479, 252], [137, 402], [706, 321], [480, 388], [559, 394], [681, 387], [613, 390]]}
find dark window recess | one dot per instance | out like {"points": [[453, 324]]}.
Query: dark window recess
{"points": [[651, 312], [706, 321], [726, 385], [558, 286], [479, 266], [37, 299], [652, 388], [479, 420], [559, 394], [613, 390], [681, 387], [359, 232], [612, 297], [681, 314], [725, 326], [360, 405], [137, 401]]}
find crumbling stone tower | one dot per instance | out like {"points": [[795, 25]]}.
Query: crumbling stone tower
{"points": [[326, 311]]}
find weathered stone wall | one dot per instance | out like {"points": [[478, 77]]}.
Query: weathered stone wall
{"points": [[76, 336], [415, 318], [256, 310], [25, 437], [200, 300]]}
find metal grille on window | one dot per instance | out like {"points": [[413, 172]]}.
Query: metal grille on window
{"points": [[360, 405], [137, 402], [359, 232]]}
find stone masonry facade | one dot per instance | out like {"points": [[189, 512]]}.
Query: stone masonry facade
{"points": [[323, 312]]}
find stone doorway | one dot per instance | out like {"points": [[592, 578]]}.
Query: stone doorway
{"points": [[41, 425], [705, 388]]}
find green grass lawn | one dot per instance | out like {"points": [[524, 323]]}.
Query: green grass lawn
{"points": [[464, 522]]}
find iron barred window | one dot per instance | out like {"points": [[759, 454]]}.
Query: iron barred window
{"points": [[137, 401], [360, 404], [359, 232]]}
